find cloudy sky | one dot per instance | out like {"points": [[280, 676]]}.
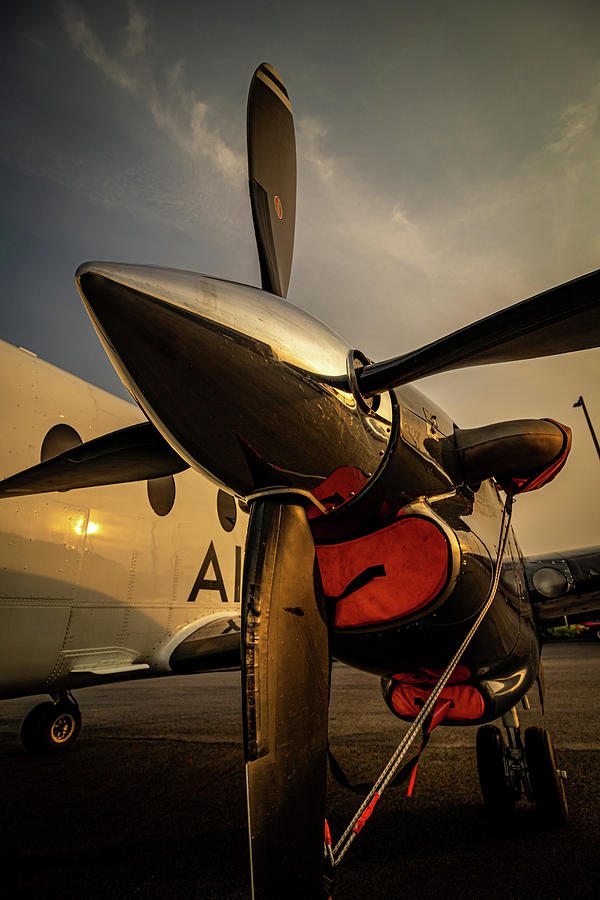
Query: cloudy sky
{"points": [[448, 161]]}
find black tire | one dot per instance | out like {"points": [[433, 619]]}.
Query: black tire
{"points": [[51, 727], [496, 788], [30, 727], [548, 787]]}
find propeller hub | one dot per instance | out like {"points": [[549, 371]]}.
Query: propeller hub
{"points": [[243, 385]]}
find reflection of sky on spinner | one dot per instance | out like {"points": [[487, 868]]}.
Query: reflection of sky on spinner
{"points": [[448, 165]]}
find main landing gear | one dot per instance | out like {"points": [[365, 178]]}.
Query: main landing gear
{"points": [[52, 726], [509, 771]]}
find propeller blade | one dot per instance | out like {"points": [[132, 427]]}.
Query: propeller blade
{"points": [[272, 174], [135, 453], [560, 320], [285, 686]]}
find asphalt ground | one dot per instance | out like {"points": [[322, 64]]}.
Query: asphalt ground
{"points": [[150, 802]]}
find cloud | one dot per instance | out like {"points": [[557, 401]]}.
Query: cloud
{"points": [[136, 32], [489, 241], [578, 122], [184, 118], [165, 162], [348, 208], [571, 161], [313, 136], [400, 216], [86, 41], [175, 109], [492, 241], [356, 250]]}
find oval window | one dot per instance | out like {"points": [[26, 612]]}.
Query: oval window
{"points": [[227, 510], [59, 438], [161, 494]]}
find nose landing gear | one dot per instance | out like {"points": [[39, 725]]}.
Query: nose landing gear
{"points": [[52, 726], [547, 780], [509, 771], [497, 786]]}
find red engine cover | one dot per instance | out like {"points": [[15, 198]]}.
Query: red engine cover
{"points": [[520, 485], [386, 575], [411, 690]]}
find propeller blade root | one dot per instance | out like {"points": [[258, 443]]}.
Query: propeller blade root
{"points": [[285, 688]]}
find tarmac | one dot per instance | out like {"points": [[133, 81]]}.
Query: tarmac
{"points": [[150, 801]]}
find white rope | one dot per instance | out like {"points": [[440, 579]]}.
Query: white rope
{"points": [[387, 774]]}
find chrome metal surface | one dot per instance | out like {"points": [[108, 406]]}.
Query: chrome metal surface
{"points": [[287, 495], [354, 361], [243, 385]]}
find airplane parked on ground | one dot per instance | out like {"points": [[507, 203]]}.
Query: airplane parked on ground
{"points": [[379, 531], [109, 582]]}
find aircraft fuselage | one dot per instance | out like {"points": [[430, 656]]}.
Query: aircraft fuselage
{"points": [[96, 586]]}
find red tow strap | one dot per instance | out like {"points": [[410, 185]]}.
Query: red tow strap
{"points": [[436, 716], [366, 814], [439, 712]]}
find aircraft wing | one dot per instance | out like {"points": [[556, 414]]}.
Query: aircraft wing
{"points": [[564, 584]]}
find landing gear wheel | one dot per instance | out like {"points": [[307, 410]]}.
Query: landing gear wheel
{"points": [[547, 785], [496, 786], [51, 727]]}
